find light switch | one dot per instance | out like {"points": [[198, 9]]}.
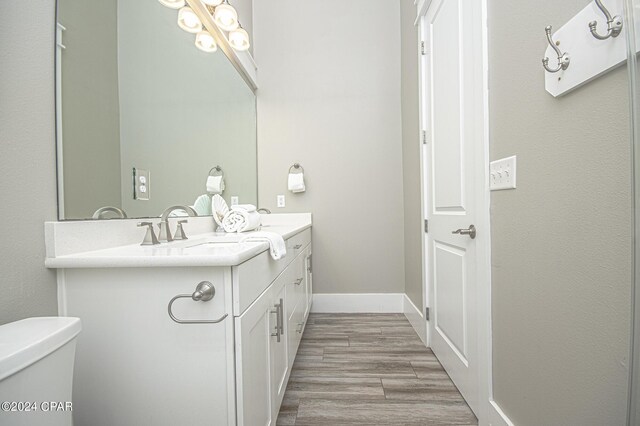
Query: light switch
{"points": [[280, 201], [502, 174], [234, 201]]}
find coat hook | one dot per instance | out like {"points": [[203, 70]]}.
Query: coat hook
{"points": [[563, 58], [614, 25]]}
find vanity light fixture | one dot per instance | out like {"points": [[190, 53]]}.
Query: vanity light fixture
{"points": [[239, 38], [226, 17], [173, 4], [188, 20], [206, 42], [212, 2]]}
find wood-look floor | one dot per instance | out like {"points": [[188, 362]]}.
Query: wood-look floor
{"points": [[369, 369]]}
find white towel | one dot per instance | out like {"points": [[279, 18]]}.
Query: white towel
{"points": [[241, 220], [277, 247], [215, 184], [296, 182]]}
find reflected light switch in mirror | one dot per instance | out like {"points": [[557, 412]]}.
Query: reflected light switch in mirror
{"points": [[234, 201], [141, 182]]}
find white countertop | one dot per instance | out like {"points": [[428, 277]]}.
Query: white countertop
{"points": [[204, 249]]}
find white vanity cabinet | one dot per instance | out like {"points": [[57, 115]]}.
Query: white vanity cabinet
{"points": [[135, 365], [272, 325]]}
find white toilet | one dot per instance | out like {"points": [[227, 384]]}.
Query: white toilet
{"points": [[36, 371]]}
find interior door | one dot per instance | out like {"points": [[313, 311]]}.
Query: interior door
{"points": [[450, 117]]}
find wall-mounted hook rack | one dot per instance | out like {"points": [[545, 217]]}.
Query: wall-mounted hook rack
{"points": [[590, 57], [614, 24], [563, 58]]}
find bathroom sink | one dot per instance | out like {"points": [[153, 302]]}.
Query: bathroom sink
{"points": [[212, 244]]}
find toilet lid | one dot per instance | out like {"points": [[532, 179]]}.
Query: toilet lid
{"points": [[24, 342]]}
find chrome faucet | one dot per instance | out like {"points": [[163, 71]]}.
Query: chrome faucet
{"points": [[165, 232], [109, 209]]}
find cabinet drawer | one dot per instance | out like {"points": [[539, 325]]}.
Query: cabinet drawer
{"points": [[252, 277]]}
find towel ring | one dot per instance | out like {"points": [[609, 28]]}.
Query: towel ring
{"points": [[216, 171], [298, 167]]}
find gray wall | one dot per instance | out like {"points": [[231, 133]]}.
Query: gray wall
{"points": [[329, 98], [561, 241], [411, 146], [90, 108], [27, 157], [182, 112]]}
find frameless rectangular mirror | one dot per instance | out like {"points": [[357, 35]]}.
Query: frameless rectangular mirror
{"points": [[143, 115]]}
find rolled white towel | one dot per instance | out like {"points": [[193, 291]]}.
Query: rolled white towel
{"points": [[240, 220], [215, 184], [296, 182], [277, 247]]}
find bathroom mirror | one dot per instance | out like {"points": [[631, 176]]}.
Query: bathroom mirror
{"points": [[137, 102]]}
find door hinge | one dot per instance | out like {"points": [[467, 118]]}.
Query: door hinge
{"points": [[426, 225], [424, 137], [423, 50], [426, 313]]}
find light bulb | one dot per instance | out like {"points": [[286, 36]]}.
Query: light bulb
{"points": [[173, 4], [206, 42], [226, 17], [239, 39], [188, 20], [212, 2]]}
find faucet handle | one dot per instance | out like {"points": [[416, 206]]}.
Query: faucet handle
{"points": [[180, 235], [150, 237]]}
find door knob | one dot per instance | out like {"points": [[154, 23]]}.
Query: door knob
{"points": [[471, 231]]}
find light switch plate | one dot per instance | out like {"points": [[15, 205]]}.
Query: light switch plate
{"points": [[502, 174], [280, 201], [234, 201], [141, 184]]}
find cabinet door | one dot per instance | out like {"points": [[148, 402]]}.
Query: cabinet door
{"points": [[278, 348], [253, 370], [308, 281]]}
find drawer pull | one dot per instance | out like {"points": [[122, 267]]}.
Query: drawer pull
{"points": [[297, 246], [204, 292], [298, 281], [279, 311]]}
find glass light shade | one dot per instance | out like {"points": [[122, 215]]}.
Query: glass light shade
{"points": [[206, 42], [212, 2], [173, 4], [226, 17], [239, 39], [188, 20]]}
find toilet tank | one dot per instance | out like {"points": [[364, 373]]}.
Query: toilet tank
{"points": [[36, 371]]}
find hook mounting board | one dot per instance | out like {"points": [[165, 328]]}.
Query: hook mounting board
{"points": [[590, 57]]}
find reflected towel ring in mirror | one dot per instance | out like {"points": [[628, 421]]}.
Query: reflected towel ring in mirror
{"points": [[563, 58], [614, 24], [216, 171], [298, 168]]}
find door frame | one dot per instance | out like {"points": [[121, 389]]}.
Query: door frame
{"points": [[483, 201]]}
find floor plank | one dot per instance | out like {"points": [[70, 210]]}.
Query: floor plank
{"points": [[369, 369]]}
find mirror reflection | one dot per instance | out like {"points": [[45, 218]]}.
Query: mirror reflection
{"points": [[144, 117]]}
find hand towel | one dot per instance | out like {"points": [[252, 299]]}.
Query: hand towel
{"points": [[241, 220], [219, 208], [215, 184], [202, 206], [277, 247], [296, 182]]}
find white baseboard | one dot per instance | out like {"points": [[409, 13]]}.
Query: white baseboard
{"points": [[497, 417], [358, 303], [416, 319]]}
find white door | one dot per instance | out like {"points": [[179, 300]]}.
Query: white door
{"points": [[453, 119]]}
